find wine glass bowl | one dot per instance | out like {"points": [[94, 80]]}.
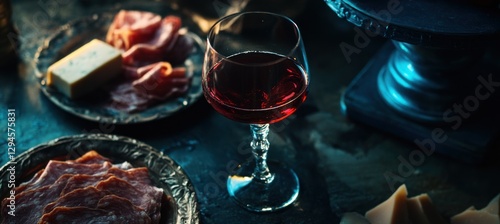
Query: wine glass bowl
{"points": [[255, 71]]}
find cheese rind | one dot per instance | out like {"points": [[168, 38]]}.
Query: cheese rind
{"points": [[85, 69]]}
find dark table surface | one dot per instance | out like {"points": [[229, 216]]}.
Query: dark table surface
{"points": [[342, 166]]}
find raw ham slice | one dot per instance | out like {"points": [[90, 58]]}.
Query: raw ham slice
{"points": [[81, 181], [86, 197], [131, 27], [147, 197], [137, 177], [162, 82], [154, 50], [94, 198], [115, 212], [125, 98], [31, 203], [154, 83], [134, 73], [92, 157], [55, 169], [182, 49], [125, 210], [88, 158]]}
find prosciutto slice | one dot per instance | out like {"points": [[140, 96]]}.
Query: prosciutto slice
{"points": [[162, 81], [155, 49], [131, 27], [147, 198], [31, 203], [56, 169], [92, 157], [155, 82]]}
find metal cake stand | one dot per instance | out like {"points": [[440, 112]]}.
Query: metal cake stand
{"points": [[436, 83]]}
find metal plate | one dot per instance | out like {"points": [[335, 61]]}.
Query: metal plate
{"points": [[164, 172], [75, 34]]}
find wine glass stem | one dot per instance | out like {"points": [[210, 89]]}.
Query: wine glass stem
{"points": [[260, 146]]}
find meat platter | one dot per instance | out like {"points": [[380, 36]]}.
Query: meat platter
{"points": [[164, 173], [75, 34]]}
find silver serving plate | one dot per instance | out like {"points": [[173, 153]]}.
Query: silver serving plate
{"points": [[181, 208], [73, 35]]}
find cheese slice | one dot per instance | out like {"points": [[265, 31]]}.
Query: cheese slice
{"points": [[392, 211], [494, 206], [487, 215], [85, 69], [473, 216]]}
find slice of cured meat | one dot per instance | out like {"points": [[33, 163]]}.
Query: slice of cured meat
{"points": [[156, 82], [124, 208], [152, 51], [86, 197], [30, 204], [146, 197], [131, 27], [182, 49], [125, 98], [55, 169], [81, 181], [162, 82], [136, 177], [91, 197], [83, 215], [92, 157]]}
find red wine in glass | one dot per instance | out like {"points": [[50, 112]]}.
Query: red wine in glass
{"points": [[256, 87], [255, 71]]}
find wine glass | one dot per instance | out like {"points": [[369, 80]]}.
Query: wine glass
{"points": [[255, 71]]}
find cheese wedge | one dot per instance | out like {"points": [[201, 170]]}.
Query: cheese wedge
{"points": [[85, 69], [392, 211]]}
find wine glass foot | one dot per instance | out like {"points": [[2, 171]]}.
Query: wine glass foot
{"points": [[258, 196]]}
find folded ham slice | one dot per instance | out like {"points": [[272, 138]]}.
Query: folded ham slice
{"points": [[131, 27], [162, 81], [154, 83], [156, 48]]}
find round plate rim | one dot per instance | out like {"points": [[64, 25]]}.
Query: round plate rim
{"points": [[125, 118], [183, 202]]}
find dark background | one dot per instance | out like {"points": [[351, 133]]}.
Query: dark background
{"points": [[342, 165]]}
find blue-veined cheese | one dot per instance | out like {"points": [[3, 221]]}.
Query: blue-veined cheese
{"points": [[85, 69]]}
